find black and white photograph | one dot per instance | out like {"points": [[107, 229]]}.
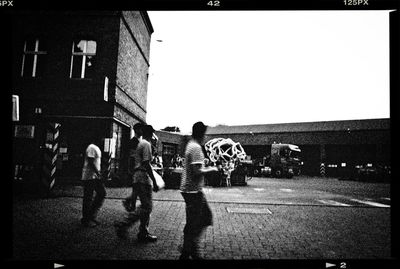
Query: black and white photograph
{"points": [[255, 137]]}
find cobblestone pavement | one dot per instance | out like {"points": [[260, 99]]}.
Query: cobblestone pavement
{"points": [[267, 219]]}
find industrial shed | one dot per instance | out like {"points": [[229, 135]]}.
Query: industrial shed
{"points": [[337, 144]]}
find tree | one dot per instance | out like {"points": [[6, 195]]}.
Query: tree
{"points": [[174, 129]]}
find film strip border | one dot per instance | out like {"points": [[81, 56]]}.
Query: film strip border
{"points": [[50, 155]]}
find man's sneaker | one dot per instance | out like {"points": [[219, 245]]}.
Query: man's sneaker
{"points": [[184, 256], [187, 256], [196, 256], [121, 231], [147, 238], [88, 224], [96, 221]]}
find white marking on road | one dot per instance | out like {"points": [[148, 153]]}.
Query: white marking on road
{"points": [[207, 190], [248, 210], [234, 190], [370, 203], [331, 202], [258, 189], [386, 198], [287, 190]]}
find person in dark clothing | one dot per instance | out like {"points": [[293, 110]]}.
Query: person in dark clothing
{"points": [[130, 202], [144, 183]]}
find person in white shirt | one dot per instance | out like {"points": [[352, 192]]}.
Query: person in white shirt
{"points": [[92, 182]]}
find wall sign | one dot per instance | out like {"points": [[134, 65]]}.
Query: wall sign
{"points": [[24, 131]]}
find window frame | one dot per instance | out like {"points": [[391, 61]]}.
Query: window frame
{"points": [[84, 55], [36, 52]]}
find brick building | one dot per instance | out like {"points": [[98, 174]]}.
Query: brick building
{"points": [[169, 144], [83, 72]]}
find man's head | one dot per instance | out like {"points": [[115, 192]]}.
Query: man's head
{"points": [[199, 130], [147, 131], [138, 129]]}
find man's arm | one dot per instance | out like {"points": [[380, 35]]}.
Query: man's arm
{"points": [[131, 162], [198, 169], [147, 157], [196, 160], [93, 166], [149, 170]]}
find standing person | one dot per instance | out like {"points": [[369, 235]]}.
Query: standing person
{"points": [[92, 182], [198, 213], [180, 162], [130, 202], [144, 183], [157, 161], [174, 161]]}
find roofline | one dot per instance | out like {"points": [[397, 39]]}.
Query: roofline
{"points": [[147, 21], [297, 123], [302, 122]]}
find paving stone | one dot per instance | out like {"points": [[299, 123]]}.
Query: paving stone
{"points": [[49, 229]]}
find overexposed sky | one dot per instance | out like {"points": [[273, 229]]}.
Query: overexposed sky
{"points": [[261, 67]]}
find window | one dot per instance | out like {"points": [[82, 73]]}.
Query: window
{"points": [[169, 149], [82, 59], [32, 58]]}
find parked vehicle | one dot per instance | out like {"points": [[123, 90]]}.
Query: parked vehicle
{"points": [[371, 172], [283, 161]]}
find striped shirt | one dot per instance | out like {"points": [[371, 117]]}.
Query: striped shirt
{"points": [[193, 155]]}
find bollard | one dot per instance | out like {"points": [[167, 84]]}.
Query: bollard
{"points": [[50, 156], [322, 170], [108, 166], [106, 163]]}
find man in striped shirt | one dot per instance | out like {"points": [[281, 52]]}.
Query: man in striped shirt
{"points": [[198, 213]]}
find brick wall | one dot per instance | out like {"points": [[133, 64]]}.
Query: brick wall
{"points": [[133, 65], [172, 138], [311, 138], [54, 90]]}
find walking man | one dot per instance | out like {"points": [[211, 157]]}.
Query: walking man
{"points": [[144, 183], [92, 182], [198, 213], [130, 202]]}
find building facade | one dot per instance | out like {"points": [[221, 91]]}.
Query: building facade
{"points": [[84, 74], [169, 145], [339, 145], [336, 144]]}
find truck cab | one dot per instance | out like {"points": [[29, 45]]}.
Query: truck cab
{"points": [[285, 160]]}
